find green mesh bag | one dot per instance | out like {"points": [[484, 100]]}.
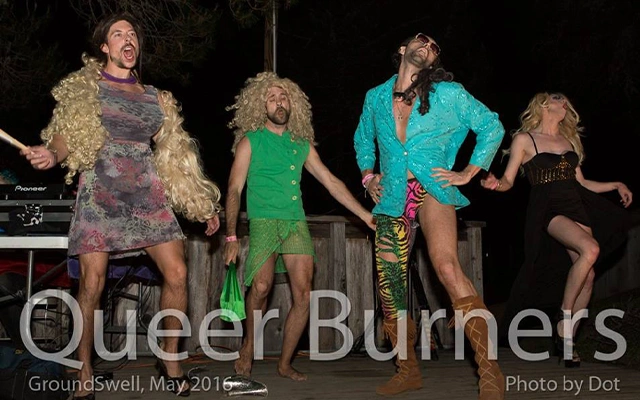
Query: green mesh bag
{"points": [[231, 298]]}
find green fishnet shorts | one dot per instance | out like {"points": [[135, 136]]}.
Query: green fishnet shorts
{"points": [[269, 236]]}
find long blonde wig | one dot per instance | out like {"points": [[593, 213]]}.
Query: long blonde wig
{"points": [[251, 111], [569, 127], [76, 118], [179, 166]]}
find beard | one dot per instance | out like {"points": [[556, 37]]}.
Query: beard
{"points": [[117, 61], [418, 59], [279, 118], [120, 62]]}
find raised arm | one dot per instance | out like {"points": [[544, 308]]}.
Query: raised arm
{"points": [[626, 197], [336, 187], [237, 180]]}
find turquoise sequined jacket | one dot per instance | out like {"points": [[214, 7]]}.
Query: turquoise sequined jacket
{"points": [[432, 140]]}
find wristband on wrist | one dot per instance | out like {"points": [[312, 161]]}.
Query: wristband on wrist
{"points": [[55, 155], [233, 238], [366, 179], [498, 184]]}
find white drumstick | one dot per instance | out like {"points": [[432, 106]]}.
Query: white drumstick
{"points": [[9, 139]]}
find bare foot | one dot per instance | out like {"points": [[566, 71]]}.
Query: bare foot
{"points": [[243, 364], [289, 372]]}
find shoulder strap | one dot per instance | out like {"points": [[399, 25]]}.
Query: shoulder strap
{"points": [[534, 142]]}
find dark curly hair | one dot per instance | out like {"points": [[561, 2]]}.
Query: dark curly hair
{"points": [[423, 81]]}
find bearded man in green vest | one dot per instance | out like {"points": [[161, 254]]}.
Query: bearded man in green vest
{"points": [[274, 139]]}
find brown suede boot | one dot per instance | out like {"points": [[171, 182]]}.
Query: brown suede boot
{"points": [[408, 376], [492, 385]]}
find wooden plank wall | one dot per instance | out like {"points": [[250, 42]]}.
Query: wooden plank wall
{"points": [[344, 263], [344, 250]]}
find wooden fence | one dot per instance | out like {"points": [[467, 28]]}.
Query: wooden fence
{"points": [[344, 250]]}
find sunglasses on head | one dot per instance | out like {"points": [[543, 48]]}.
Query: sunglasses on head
{"points": [[426, 40]]}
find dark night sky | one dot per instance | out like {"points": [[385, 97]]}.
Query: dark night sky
{"points": [[503, 52]]}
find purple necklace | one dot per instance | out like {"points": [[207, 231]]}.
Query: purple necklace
{"points": [[109, 77]]}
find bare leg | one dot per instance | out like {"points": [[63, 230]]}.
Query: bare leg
{"points": [[300, 269], [582, 302], [440, 229], [93, 268], [579, 239], [438, 222], [256, 300], [169, 257]]}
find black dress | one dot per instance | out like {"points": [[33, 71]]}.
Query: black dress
{"points": [[555, 191]]}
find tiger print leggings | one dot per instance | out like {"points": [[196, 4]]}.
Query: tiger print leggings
{"points": [[394, 242]]}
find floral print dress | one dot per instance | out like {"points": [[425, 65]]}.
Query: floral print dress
{"points": [[121, 206]]}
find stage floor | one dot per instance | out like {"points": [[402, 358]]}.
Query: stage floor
{"points": [[356, 376]]}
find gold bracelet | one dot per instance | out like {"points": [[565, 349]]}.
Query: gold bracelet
{"points": [[499, 184]]}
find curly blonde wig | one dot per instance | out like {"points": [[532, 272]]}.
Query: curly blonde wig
{"points": [[251, 112], [76, 118], [569, 127], [179, 166]]}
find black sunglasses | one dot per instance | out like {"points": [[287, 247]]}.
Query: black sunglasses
{"points": [[426, 40]]}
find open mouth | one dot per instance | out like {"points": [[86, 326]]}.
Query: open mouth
{"points": [[129, 53]]}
